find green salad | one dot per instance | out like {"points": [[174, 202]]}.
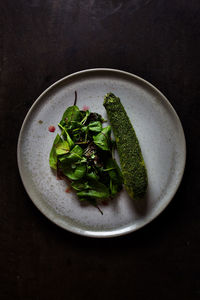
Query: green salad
{"points": [[83, 153]]}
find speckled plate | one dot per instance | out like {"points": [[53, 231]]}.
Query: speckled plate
{"points": [[161, 138]]}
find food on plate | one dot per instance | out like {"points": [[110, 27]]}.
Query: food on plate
{"points": [[128, 147], [83, 153]]}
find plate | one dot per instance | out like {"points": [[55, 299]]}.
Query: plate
{"points": [[159, 132]]}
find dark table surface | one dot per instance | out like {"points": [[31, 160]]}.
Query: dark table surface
{"points": [[40, 42]]}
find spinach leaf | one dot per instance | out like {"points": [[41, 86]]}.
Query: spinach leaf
{"points": [[87, 113], [115, 174], [73, 126], [74, 155], [93, 175], [85, 130], [76, 152], [74, 173], [69, 140], [114, 188], [72, 113], [95, 126], [62, 148], [80, 185], [114, 171], [53, 155], [102, 140], [97, 190]]}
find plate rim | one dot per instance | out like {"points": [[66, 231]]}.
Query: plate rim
{"points": [[113, 232]]}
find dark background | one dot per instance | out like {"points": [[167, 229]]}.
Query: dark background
{"points": [[40, 42]]}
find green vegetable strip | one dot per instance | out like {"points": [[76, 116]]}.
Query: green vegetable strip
{"points": [[131, 160]]}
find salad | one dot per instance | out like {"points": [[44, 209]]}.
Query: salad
{"points": [[84, 154]]}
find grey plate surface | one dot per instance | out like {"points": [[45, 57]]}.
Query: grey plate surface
{"points": [[158, 129]]}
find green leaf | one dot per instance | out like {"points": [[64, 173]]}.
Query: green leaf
{"points": [[73, 126], [115, 174], [53, 155], [72, 113], [93, 175], [87, 113], [74, 155], [102, 140], [82, 199], [114, 188], [69, 140], [95, 126], [84, 128], [97, 190], [82, 160], [114, 171], [76, 152], [80, 185], [74, 173], [62, 148]]}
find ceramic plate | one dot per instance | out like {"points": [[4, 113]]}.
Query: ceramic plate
{"points": [[159, 132]]}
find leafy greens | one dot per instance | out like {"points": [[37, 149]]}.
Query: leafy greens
{"points": [[83, 153]]}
